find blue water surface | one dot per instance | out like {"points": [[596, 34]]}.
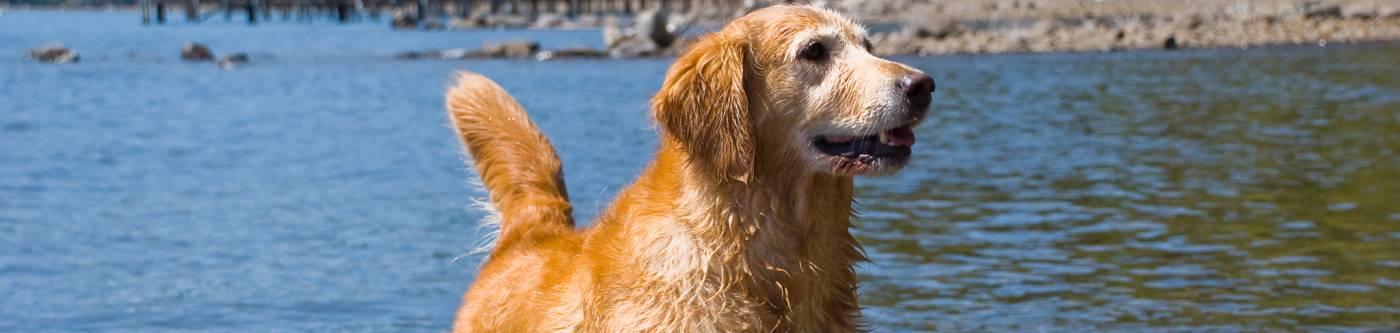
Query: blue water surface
{"points": [[318, 187]]}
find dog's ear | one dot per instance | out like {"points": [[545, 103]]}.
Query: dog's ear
{"points": [[704, 107]]}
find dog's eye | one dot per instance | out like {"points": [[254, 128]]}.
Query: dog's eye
{"points": [[814, 51]]}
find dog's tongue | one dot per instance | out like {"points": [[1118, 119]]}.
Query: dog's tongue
{"points": [[900, 137]]}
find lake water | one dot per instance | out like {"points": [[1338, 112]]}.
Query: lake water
{"points": [[318, 188]]}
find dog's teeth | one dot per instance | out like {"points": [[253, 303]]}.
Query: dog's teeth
{"points": [[885, 138]]}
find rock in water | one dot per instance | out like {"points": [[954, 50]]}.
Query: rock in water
{"points": [[652, 33], [196, 52], [1321, 11], [412, 55], [510, 49], [938, 28], [651, 24], [232, 60], [454, 54], [56, 54], [550, 21], [403, 20], [573, 53]]}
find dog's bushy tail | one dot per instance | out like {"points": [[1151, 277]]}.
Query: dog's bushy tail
{"points": [[516, 163]]}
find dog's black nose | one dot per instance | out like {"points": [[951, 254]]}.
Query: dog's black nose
{"points": [[918, 87]]}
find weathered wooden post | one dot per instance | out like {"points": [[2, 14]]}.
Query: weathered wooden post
{"points": [[342, 12], [252, 10], [228, 9], [421, 10], [160, 12], [467, 7], [192, 11]]}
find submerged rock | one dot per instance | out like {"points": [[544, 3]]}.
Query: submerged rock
{"points": [[54, 54], [573, 53], [196, 52], [455, 54], [232, 60], [414, 55]]}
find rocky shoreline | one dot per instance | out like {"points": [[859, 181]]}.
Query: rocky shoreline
{"points": [[930, 27], [937, 31]]}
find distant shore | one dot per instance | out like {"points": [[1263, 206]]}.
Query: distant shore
{"points": [[1099, 26], [905, 27]]}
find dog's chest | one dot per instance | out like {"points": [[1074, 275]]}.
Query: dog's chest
{"points": [[679, 284]]}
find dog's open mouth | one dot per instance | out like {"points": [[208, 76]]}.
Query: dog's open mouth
{"points": [[889, 147]]}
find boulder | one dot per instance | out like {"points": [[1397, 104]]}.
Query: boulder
{"points": [[612, 35], [1359, 11], [196, 52], [653, 33], [632, 46], [464, 23], [403, 20], [654, 24], [54, 54], [434, 25], [937, 28], [510, 49], [506, 21], [1322, 11], [1388, 10], [587, 21], [550, 21]]}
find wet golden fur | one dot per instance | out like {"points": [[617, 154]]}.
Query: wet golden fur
{"points": [[735, 226]]}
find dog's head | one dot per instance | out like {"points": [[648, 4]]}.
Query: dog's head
{"points": [[792, 87]]}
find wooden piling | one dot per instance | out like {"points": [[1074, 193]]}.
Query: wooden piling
{"points": [[342, 13], [252, 9], [160, 12], [192, 11]]}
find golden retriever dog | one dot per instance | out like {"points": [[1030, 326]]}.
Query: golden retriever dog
{"points": [[741, 223]]}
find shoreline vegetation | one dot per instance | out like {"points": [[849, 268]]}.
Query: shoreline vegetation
{"points": [[934, 27]]}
